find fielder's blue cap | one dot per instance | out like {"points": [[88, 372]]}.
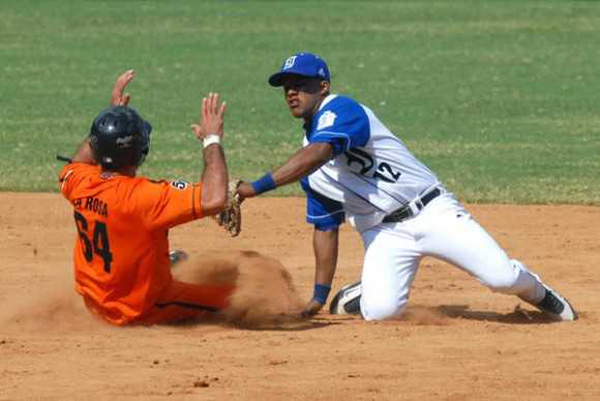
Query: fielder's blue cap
{"points": [[306, 64]]}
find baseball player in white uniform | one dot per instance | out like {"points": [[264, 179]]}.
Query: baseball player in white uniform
{"points": [[353, 168]]}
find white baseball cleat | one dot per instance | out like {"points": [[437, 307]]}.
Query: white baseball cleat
{"points": [[556, 306], [347, 300]]}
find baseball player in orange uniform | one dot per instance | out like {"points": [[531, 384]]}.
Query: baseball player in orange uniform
{"points": [[121, 255]]}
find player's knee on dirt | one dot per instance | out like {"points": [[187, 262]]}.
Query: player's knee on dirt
{"points": [[382, 306]]}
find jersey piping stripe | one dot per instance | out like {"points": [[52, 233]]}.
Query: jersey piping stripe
{"points": [[194, 202], [322, 216], [64, 179], [334, 134], [188, 305]]}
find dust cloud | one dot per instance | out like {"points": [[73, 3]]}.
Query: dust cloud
{"points": [[53, 306], [264, 296]]}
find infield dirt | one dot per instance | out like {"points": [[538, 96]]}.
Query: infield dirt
{"points": [[457, 341]]}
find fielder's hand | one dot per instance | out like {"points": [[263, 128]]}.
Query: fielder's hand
{"points": [[312, 308], [231, 217], [245, 191]]}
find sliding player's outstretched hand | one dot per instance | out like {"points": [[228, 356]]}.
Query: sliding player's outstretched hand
{"points": [[212, 118], [119, 98]]}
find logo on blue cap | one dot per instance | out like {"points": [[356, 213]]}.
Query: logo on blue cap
{"points": [[305, 64], [289, 63]]}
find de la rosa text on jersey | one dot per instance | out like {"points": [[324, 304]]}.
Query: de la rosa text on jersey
{"points": [[93, 205]]}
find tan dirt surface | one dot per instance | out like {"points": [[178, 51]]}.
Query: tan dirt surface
{"points": [[458, 340]]}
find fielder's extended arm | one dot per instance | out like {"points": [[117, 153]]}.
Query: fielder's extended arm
{"points": [[299, 165]]}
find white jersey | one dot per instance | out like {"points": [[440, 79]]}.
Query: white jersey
{"points": [[372, 172]]}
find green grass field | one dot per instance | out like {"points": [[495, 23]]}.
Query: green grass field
{"points": [[500, 98]]}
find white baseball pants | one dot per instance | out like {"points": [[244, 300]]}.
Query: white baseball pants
{"points": [[446, 231]]}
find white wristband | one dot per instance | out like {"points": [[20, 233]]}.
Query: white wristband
{"points": [[210, 139]]}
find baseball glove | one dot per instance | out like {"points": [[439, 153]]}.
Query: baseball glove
{"points": [[231, 217]]}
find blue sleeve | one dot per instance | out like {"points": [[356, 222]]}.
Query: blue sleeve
{"points": [[326, 214], [342, 123]]}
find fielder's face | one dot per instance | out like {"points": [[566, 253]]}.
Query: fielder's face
{"points": [[303, 95]]}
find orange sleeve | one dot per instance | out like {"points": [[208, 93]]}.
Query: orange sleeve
{"points": [[71, 175], [167, 204]]}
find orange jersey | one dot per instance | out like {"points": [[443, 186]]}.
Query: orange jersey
{"points": [[121, 249]]}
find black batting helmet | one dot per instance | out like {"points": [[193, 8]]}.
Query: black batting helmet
{"points": [[119, 137]]}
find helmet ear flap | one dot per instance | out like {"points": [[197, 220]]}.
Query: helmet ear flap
{"points": [[144, 147]]}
